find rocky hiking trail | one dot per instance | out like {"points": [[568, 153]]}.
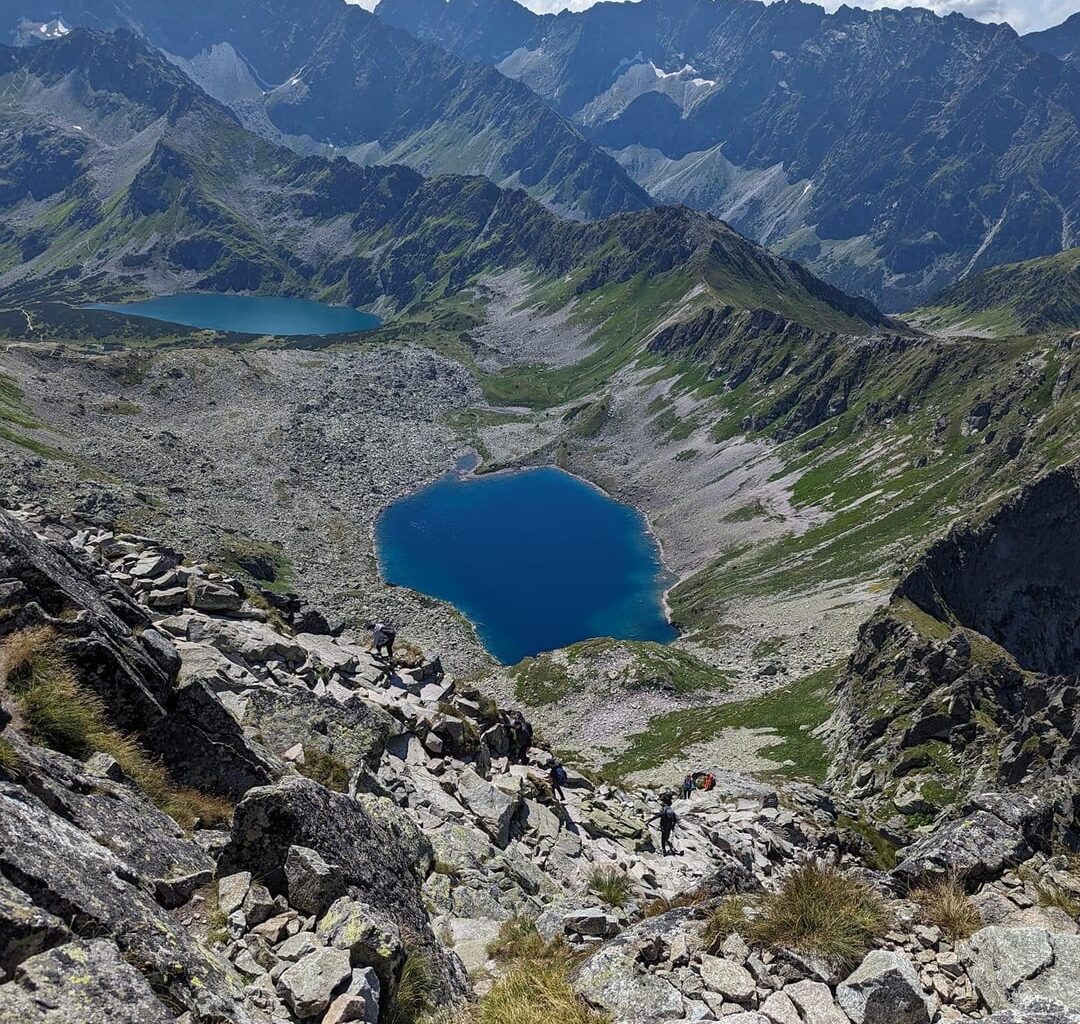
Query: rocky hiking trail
{"points": [[341, 836]]}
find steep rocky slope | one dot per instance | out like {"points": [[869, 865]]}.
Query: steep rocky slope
{"points": [[392, 831], [335, 80], [969, 677], [892, 151]]}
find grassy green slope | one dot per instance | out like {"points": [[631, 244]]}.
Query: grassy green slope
{"points": [[1033, 297]]}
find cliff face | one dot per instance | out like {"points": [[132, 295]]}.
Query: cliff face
{"points": [[969, 679], [1014, 578]]}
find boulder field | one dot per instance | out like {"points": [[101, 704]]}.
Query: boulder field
{"points": [[265, 824]]}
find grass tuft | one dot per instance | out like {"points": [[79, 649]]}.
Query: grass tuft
{"points": [[518, 939], [412, 1000], [822, 911], [535, 988], [946, 904], [60, 713], [611, 886], [324, 769], [722, 922], [10, 762]]}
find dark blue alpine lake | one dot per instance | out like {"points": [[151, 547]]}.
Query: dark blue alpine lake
{"points": [[247, 314], [537, 559]]}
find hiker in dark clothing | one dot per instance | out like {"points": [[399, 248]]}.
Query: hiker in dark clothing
{"points": [[383, 636], [668, 820], [557, 778], [521, 736], [687, 786]]}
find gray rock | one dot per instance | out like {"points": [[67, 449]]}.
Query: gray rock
{"points": [[779, 1009], [297, 946], [231, 891], [80, 983], [312, 884], [591, 921], [494, 809], [1037, 1011], [884, 989], [732, 981], [211, 596], [25, 929], [308, 985], [979, 845], [815, 1003], [614, 982], [369, 936], [1011, 967]]}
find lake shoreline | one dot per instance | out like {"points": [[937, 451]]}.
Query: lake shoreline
{"points": [[467, 467]]}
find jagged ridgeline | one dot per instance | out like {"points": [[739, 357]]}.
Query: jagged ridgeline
{"points": [[148, 184], [891, 151], [331, 78]]}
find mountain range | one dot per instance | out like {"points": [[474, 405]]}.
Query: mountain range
{"points": [[891, 151], [140, 182], [332, 79]]}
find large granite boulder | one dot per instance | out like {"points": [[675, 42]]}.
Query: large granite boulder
{"points": [[374, 865], [979, 845], [1015, 967], [884, 989], [74, 878], [81, 982], [353, 734]]}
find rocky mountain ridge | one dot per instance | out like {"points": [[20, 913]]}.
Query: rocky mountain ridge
{"points": [[867, 144], [174, 215], [339, 81]]}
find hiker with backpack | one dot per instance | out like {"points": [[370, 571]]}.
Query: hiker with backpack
{"points": [[687, 786], [668, 820], [557, 778], [383, 636]]}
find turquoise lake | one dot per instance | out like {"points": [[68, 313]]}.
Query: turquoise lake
{"points": [[247, 314], [537, 559]]}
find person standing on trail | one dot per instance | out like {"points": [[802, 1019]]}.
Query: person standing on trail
{"points": [[668, 820], [687, 786], [383, 636], [557, 778]]}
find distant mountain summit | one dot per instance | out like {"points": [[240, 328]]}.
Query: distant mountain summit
{"points": [[327, 77], [892, 151], [1061, 41]]}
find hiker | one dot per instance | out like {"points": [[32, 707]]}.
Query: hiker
{"points": [[521, 736], [687, 786], [383, 636], [557, 779], [668, 819]]}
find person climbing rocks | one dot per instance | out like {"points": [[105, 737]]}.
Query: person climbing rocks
{"points": [[557, 778], [668, 820], [383, 636], [687, 786], [521, 735]]}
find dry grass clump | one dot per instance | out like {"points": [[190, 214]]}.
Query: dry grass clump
{"points": [[611, 886], [945, 904], [535, 987], [9, 758], [726, 919], [518, 939], [62, 714], [822, 911], [324, 769], [1049, 894]]}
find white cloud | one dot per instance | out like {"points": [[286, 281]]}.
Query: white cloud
{"points": [[1023, 15]]}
